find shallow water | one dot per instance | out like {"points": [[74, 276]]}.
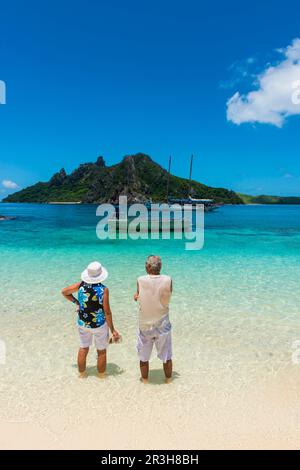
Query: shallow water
{"points": [[235, 313]]}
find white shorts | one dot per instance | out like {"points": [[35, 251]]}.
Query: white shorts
{"points": [[100, 334], [162, 341]]}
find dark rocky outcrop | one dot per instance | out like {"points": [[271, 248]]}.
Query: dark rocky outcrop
{"points": [[100, 162], [58, 178], [6, 217]]}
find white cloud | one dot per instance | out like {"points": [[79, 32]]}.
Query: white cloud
{"points": [[8, 184], [277, 93], [241, 71]]}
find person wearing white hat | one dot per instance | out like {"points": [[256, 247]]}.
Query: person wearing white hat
{"points": [[94, 315]]}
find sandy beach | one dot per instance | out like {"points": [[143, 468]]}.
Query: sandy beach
{"points": [[218, 399], [156, 416]]}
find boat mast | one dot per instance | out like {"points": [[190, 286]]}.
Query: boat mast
{"points": [[168, 181], [190, 177]]}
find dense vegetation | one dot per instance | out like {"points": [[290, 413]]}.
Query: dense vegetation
{"points": [[136, 176], [269, 199]]}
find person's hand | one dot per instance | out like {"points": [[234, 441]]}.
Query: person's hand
{"points": [[76, 303], [136, 296], [116, 335]]}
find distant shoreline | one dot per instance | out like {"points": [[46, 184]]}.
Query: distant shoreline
{"points": [[67, 203], [61, 203]]}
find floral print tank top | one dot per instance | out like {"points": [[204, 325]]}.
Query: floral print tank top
{"points": [[90, 298]]}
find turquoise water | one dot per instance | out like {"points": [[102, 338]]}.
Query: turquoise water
{"points": [[235, 310], [233, 229], [248, 270], [249, 263]]}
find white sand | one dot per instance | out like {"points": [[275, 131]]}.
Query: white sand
{"points": [[257, 420], [205, 407]]}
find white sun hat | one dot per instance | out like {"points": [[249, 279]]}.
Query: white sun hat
{"points": [[94, 273]]}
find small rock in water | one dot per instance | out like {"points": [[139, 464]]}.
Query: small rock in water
{"points": [[5, 217]]}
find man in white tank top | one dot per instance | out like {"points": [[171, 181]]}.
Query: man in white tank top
{"points": [[153, 294]]}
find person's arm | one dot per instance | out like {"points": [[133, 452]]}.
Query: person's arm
{"points": [[136, 295], [68, 292], [108, 314]]}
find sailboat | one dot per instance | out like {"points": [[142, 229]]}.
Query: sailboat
{"points": [[209, 204], [173, 221]]}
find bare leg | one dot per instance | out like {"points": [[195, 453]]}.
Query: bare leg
{"points": [[101, 363], [81, 361], [168, 370], [144, 366]]}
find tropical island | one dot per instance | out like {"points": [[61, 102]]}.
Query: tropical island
{"points": [[138, 177]]}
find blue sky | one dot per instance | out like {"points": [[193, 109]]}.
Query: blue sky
{"points": [[113, 78]]}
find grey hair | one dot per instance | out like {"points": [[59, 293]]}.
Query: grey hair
{"points": [[153, 264]]}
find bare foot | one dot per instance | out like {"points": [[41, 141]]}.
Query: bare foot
{"points": [[101, 375], [82, 375], [144, 381], [168, 380]]}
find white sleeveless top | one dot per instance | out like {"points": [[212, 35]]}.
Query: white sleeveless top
{"points": [[154, 297]]}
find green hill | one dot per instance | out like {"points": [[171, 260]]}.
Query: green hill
{"points": [[136, 176], [263, 199]]}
